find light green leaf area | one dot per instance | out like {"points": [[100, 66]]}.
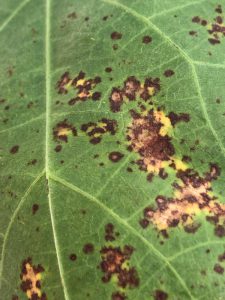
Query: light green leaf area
{"points": [[112, 150]]}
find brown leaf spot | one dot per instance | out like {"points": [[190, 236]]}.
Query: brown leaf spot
{"points": [[116, 35], [14, 149], [115, 156]]}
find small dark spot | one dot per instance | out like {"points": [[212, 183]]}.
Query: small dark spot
{"points": [[219, 9], [207, 251], [220, 231], [218, 269], [196, 19], [58, 148], [146, 39], [14, 149], [15, 297], [96, 96], [86, 19], [129, 169], [175, 118], [105, 18], [169, 73], [144, 223], [35, 208], [160, 295], [108, 69], [118, 296], [193, 33], [101, 164], [32, 162], [88, 248], [214, 41], [115, 156], [73, 257], [218, 100], [116, 35], [72, 15], [115, 47], [7, 107], [203, 22]]}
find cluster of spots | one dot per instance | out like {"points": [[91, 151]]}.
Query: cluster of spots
{"points": [[216, 28], [31, 276], [81, 88], [116, 36], [148, 135], [115, 264], [62, 130], [95, 131], [192, 196], [133, 89], [218, 268]]}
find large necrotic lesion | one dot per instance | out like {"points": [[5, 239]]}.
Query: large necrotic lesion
{"points": [[31, 280]]}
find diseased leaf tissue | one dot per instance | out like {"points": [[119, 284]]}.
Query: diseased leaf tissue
{"points": [[112, 152]]}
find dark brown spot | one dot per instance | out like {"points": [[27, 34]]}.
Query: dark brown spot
{"points": [[96, 96], [73, 257], [146, 39], [116, 35], [193, 33], [220, 231], [14, 149], [196, 19], [72, 15], [160, 295], [169, 73], [35, 208], [175, 118], [218, 269], [214, 41], [115, 156], [88, 248], [108, 69], [118, 296], [58, 148]]}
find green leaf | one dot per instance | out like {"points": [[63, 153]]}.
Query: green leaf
{"points": [[112, 150]]}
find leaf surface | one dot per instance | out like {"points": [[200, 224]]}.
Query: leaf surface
{"points": [[112, 149]]}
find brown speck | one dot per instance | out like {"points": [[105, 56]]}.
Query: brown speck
{"points": [[196, 19], [115, 156], [146, 39], [14, 149], [218, 269], [193, 33], [214, 41], [108, 69], [118, 296], [160, 295], [73, 257], [58, 148], [96, 96], [35, 208], [203, 22], [220, 231], [88, 248], [116, 35], [169, 73], [219, 9], [72, 15]]}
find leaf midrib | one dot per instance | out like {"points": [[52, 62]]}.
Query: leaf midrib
{"points": [[48, 138]]}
